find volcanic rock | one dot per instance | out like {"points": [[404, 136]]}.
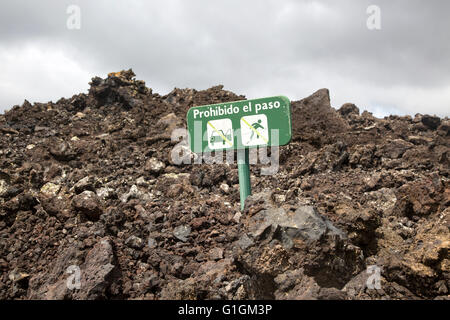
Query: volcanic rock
{"points": [[90, 194], [87, 203]]}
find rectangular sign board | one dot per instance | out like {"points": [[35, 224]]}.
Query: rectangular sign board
{"points": [[240, 124]]}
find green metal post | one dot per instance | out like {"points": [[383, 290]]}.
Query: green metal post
{"points": [[245, 187]]}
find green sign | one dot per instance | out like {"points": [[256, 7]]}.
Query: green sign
{"points": [[240, 124]]}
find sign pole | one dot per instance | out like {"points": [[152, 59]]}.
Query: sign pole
{"points": [[245, 188]]}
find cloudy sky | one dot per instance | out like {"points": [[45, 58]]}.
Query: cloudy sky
{"points": [[256, 48]]}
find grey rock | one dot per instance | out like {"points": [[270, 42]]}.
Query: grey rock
{"points": [[237, 217], [154, 165], [51, 283], [152, 243], [112, 219], [431, 122], [97, 271], [50, 189], [216, 253], [348, 108], [182, 232], [106, 193], [134, 242], [63, 151], [225, 188], [141, 182], [169, 123], [17, 276], [233, 285], [87, 183], [135, 193], [395, 149], [312, 225], [305, 223], [244, 242], [445, 127], [88, 203], [3, 188]]}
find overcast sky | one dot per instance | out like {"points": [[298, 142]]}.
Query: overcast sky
{"points": [[256, 48]]}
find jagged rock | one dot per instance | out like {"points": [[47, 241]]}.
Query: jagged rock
{"points": [[153, 165], [360, 223], [135, 193], [152, 243], [295, 285], [423, 264], [304, 223], [420, 140], [3, 188], [50, 189], [169, 123], [112, 219], [97, 189], [17, 276], [285, 238], [383, 202], [106, 193], [395, 148], [87, 183], [224, 187], [63, 151], [182, 233], [207, 276], [245, 242], [134, 242], [431, 122], [415, 199], [362, 155], [97, 272], [51, 283], [314, 115], [88, 204], [216, 254], [445, 127], [348, 108]]}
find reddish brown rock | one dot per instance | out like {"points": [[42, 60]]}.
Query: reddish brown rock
{"points": [[88, 204], [88, 181]]}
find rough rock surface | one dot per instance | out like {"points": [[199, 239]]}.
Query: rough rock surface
{"points": [[90, 184]]}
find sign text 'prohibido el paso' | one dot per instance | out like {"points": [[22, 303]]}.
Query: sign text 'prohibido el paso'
{"points": [[240, 124]]}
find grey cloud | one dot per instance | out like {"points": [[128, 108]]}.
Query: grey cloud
{"points": [[255, 48]]}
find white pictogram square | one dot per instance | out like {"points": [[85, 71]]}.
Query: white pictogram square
{"points": [[220, 134], [254, 130]]}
